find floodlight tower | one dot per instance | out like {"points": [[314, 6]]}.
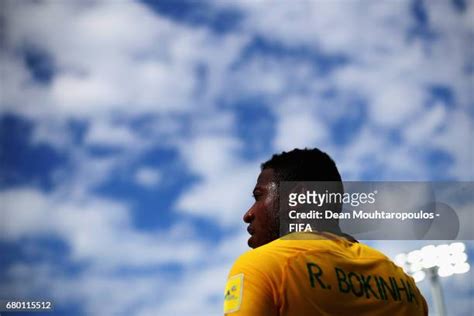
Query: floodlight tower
{"points": [[435, 261]]}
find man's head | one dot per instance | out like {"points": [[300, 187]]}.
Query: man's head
{"points": [[295, 165]]}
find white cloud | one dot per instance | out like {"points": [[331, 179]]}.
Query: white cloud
{"points": [[87, 172], [421, 130], [211, 155], [299, 126], [155, 293], [457, 139], [318, 23], [97, 230], [105, 61], [147, 177], [95, 291], [225, 180], [102, 132]]}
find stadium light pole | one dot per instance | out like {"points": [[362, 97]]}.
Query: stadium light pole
{"points": [[435, 262], [437, 291]]}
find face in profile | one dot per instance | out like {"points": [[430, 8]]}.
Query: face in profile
{"points": [[262, 217]]}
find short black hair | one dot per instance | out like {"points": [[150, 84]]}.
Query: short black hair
{"points": [[307, 165], [303, 165]]}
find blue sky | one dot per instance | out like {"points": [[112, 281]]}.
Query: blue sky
{"points": [[132, 133]]}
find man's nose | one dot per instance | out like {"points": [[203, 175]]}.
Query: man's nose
{"points": [[248, 216]]}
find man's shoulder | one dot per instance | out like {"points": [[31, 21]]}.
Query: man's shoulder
{"points": [[264, 259], [272, 255], [281, 251], [266, 252]]}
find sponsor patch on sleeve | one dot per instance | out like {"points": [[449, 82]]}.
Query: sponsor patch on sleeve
{"points": [[233, 293]]}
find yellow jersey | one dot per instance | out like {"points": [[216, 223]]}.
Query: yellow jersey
{"points": [[325, 275]]}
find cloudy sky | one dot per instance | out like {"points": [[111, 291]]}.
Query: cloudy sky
{"points": [[132, 133]]}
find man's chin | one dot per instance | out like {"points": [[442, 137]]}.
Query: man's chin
{"points": [[254, 242], [251, 242]]}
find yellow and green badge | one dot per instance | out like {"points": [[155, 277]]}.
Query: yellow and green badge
{"points": [[233, 293]]}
